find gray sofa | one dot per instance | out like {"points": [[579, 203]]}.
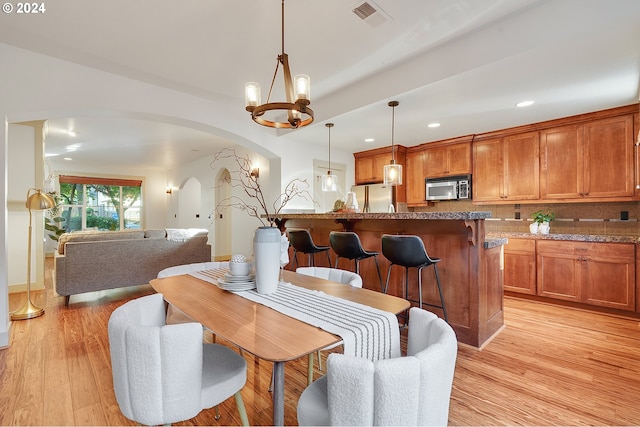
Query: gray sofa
{"points": [[95, 261]]}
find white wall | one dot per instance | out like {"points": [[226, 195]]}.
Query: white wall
{"points": [[37, 87]]}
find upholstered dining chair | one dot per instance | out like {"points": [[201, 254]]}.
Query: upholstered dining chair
{"points": [[164, 374], [411, 390], [335, 275], [175, 315]]}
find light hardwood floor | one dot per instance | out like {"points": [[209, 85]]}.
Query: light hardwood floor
{"points": [[549, 366]]}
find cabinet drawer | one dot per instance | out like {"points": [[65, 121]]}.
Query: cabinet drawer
{"points": [[520, 245], [592, 249]]}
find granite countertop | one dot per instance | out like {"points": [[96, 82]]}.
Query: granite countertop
{"points": [[573, 237], [396, 215]]}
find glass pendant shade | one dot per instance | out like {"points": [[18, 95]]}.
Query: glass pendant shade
{"points": [[302, 87], [393, 174], [252, 94], [329, 182]]}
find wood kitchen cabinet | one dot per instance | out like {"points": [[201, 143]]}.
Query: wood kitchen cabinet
{"points": [[369, 165], [447, 160], [588, 161], [520, 266], [506, 169], [415, 185], [601, 274]]}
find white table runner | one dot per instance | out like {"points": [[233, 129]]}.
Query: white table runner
{"points": [[366, 331]]}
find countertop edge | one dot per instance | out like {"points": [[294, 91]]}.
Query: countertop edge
{"points": [[463, 215], [596, 238]]}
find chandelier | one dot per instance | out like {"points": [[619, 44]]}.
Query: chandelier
{"points": [[298, 95], [329, 182], [392, 171]]}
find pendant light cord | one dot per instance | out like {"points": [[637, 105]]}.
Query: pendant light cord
{"points": [[329, 125], [283, 27], [393, 105]]}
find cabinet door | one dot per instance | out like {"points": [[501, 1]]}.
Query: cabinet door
{"points": [[454, 159], [415, 177], [609, 167], [521, 167], [609, 276], [435, 160], [487, 170], [561, 164], [520, 266], [558, 271], [459, 159], [364, 170], [379, 161]]}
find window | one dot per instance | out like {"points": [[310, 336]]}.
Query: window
{"points": [[100, 203]]}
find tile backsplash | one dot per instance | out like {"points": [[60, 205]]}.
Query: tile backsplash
{"points": [[571, 218]]}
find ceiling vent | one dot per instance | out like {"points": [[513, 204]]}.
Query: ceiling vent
{"points": [[371, 13]]}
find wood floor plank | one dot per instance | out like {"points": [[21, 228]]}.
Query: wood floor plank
{"points": [[549, 366]]}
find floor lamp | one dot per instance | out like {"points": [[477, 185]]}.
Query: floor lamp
{"points": [[35, 201]]}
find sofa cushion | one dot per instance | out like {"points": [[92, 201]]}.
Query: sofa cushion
{"points": [[92, 236], [155, 234]]}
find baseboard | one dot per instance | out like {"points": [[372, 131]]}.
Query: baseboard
{"points": [[14, 289]]}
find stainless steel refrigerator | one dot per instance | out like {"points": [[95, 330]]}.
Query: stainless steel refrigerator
{"points": [[374, 197]]}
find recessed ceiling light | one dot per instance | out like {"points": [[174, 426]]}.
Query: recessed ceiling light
{"points": [[524, 103], [72, 147], [68, 158], [369, 140], [433, 125]]}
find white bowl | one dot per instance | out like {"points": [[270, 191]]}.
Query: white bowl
{"points": [[240, 268]]}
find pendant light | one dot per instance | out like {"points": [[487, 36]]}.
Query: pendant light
{"points": [[392, 171], [297, 92], [329, 182]]}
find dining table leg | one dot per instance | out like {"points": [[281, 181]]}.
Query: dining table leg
{"points": [[278, 393]]}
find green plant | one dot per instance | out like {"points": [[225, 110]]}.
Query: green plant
{"points": [[53, 223], [543, 215]]}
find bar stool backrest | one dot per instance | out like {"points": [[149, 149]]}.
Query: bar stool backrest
{"points": [[405, 250], [301, 241], [346, 244]]}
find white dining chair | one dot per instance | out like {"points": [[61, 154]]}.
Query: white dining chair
{"points": [[335, 275], [175, 315], [164, 374], [410, 390]]}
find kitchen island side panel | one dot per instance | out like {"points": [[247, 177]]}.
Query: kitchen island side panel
{"points": [[470, 274]]}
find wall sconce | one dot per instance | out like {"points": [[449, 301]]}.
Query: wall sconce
{"points": [[255, 173], [169, 190]]}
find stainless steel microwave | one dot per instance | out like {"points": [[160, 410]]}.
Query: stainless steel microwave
{"points": [[448, 188]]}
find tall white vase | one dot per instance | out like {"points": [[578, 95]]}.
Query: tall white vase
{"points": [[266, 254]]}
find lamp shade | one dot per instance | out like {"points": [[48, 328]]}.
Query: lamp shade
{"points": [[329, 182], [393, 174], [39, 201]]}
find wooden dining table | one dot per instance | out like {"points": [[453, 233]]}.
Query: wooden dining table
{"points": [[260, 330]]}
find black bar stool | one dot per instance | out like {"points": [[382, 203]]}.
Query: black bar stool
{"points": [[302, 242], [409, 252], [346, 244]]}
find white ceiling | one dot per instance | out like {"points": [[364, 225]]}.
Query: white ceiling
{"points": [[461, 63]]}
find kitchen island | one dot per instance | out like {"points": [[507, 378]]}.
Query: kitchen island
{"points": [[471, 267]]}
